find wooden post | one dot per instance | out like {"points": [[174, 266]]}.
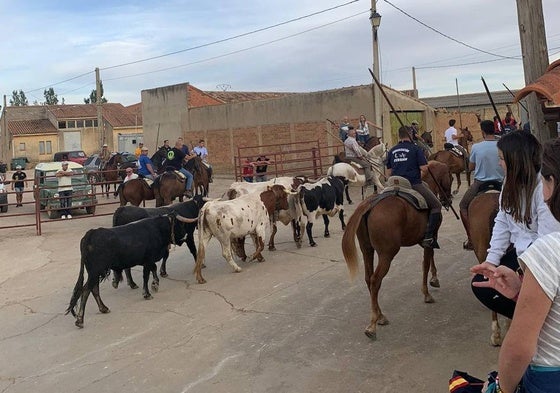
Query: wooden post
{"points": [[535, 60], [100, 127]]}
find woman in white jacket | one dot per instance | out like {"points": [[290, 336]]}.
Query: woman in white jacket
{"points": [[523, 215]]}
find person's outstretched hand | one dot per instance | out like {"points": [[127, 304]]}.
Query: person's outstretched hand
{"points": [[500, 278]]}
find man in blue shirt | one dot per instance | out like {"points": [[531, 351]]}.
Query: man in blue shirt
{"points": [[485, 163], [408, 160], [145, 165]]}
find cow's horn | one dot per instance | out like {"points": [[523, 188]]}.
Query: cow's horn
{"points": [[186, 220]]}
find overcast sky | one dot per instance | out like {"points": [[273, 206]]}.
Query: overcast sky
{"points": [[45, 43]]}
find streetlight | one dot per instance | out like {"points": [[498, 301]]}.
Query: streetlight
{"points": [[375, 19]]}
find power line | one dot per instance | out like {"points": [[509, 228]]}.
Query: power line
{"points": [[58, 83], [237, 51], [448, 36], [230, 38]]}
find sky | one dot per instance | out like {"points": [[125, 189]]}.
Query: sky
{"points": [[259, 45]]}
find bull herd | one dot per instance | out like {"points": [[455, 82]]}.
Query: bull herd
{"points": [[142, 236]]}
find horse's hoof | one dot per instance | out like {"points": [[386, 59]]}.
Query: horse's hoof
{"points": [[244, 259], [133, 286], [434, 282], [298, 245], [115, 284], [104, 310], [271, 248], [148, 296], [371, 335], [163, 273], [327, 234], [496, 340], [237, 270], [343, 227], [201, 281], [382, 321], [350, 202], [79, 324], [429, 299], [455, 192], [155, 286], [313, 244]]}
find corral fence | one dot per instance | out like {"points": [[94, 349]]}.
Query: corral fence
{"points": [[308, 158], [41, 201]]}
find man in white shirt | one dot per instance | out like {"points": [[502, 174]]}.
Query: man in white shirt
{"points": [[452, 137], [355, 153]]}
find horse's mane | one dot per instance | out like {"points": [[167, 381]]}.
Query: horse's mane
{"points": [[113, 159]]}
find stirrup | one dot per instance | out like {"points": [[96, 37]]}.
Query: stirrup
{"points": [[429, 242]]}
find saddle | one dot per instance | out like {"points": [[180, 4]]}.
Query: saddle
{"points": [[399, 186], [453, 150], [489, 186], [149, 182]]}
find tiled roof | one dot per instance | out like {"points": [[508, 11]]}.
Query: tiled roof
{"points": [[30, 127], [547, 86], [466, 100], [198, 98], [116, 114], [231, 97]]}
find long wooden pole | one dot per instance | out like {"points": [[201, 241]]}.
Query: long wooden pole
{"points": [[459, 105], [491, 101]]}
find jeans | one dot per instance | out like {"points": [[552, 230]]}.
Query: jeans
{"points": [[541, 380], [189, 177], [65, 201]]}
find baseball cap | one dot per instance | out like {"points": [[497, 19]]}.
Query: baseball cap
{"points": [[144, 148], [414, 122], [64, 163], [105, 145], [18, 167]]}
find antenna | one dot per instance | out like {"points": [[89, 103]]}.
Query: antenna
{"points": [[223, 86]]}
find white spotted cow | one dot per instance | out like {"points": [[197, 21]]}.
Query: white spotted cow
{"points": [[227, 220]]}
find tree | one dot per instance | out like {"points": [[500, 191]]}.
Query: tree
{"points": [[51, 98], [92, 99], [18, 98]]}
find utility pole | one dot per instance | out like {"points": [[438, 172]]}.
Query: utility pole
{"points": [[535, 60], [100, 127], [5, 134], [375, 20]]}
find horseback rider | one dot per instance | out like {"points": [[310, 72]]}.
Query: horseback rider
{"points": [[407, 160], [202, 152], [145, 165], [452, 137], [417, 138], [175, 160], [355, 153], [105, 155], [485, 163]]}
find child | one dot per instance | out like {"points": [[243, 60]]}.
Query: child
{"points": [[248, 170]]}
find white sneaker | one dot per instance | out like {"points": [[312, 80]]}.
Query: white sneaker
{"points": [[63, 217], [69, 216]]}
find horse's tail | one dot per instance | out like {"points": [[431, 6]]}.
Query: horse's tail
{"points": [[348, 242], [78, 288]]}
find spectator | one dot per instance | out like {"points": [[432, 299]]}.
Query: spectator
{"points": [[138, 150], [510, 124], [145, 165], [530, 350], [65, 190], [130, 175], [18, 185], [343, 129], [497, 126], [248, 169], [362, 131], [262, 167]]}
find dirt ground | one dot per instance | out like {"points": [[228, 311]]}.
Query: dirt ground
{"points": [[293, 323]]}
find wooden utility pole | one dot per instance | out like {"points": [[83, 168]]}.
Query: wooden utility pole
{"points": [[6, 138], [535, 60], [100, 127]]}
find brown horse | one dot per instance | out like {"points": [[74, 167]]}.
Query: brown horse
{"points": [[168, 186], [456, 165], [386, 227], [110, 174], [441, 175], [201, 181], [135, 191], [482, 212]]}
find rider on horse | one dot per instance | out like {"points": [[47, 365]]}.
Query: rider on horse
{"points": [[485, 163], [452, 137], [407, 160], [355, 153], [202, 152], [105, 156]]}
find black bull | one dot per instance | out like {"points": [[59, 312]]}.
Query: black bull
{"points": [[127, 214], [139, 243]]}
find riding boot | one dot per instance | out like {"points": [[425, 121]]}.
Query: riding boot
{"points": [[430, 238], [465, 220]]}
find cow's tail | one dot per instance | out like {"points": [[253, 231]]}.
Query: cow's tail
{"points": [[78, 288], [349, 249], [201, 250]]}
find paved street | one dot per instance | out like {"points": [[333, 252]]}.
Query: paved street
{"points": [[293, 323]]}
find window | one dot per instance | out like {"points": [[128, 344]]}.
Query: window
{"points": [[61, 124], [80, 124], [41, 147], [95, 123], [71, 123], [22, 147], [49, 147], [89, 123]]}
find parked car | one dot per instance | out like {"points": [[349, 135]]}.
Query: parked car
{"points": [[93, 162], [83, 195], [77, 156], [21, 161], [3, 194]]}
